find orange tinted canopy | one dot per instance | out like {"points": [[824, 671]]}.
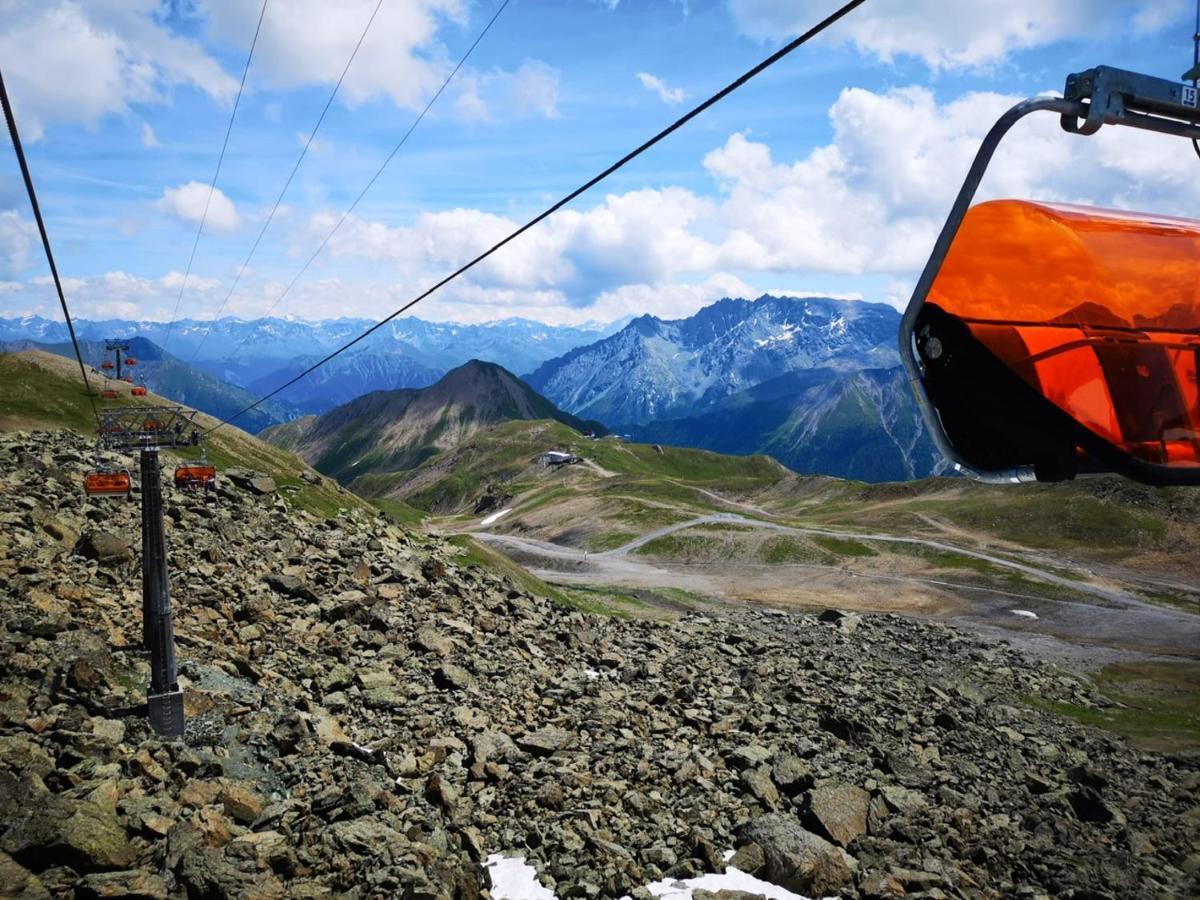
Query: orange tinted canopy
{"points": [[106, 484], [1098, 310]]}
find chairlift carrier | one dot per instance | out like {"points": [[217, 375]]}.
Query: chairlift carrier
{"points": [[1081, 297]]}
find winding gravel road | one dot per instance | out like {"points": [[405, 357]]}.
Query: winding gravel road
{"points": [[1115, 617]]}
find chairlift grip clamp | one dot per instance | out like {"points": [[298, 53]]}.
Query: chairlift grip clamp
{"points": [[1116, 96]]}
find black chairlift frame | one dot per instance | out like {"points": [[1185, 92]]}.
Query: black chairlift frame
{"points": [[149, 429], [1092, 99]]}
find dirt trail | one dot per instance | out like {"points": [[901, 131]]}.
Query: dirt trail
{"points": [[1117, 618]]}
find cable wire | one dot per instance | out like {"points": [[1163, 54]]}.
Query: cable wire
{"points": [[775, 57], [278, 200], [213, 186], [37, 214], [1196, 64], [375, 177]]}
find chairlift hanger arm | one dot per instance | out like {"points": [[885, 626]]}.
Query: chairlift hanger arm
{"points": [[1093, 98]]}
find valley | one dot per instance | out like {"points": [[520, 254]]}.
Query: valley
{"points": [[1057, 568], [519, 635]]}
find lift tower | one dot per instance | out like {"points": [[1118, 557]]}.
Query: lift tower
{"points": [[121, 350], [147, 430]]}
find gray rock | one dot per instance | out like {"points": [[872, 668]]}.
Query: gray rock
{"points": [[451, 677], [106, 548], [794, 858], [134, 884], [81, 834], [545, 741], [18, 882], [839, 811]]}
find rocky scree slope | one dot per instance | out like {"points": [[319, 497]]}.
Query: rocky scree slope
{"points": [[369, 718]]}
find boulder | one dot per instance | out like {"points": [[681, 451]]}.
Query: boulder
{"points": [[104, 547], [839, 811], [451, 677], [253, 482], [792, 857], [81, 834], [545, 741]]}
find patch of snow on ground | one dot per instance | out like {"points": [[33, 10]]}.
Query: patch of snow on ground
{"points": [[591, 674], [496, 515], [732, 880], [1024, 613], [514, 879]]}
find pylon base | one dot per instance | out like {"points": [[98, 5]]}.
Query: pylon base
{"points": [[166, 713]]}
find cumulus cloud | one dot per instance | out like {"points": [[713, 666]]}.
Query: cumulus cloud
{"points": [[16, 241], [149, 138], [954, 35], [72, 62], [308, 42], [655, 84], [866, 205], [869, 203], [187, 203]]}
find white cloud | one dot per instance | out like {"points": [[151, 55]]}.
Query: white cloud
{"points": [[657, 85], [869, 203], [307, 42], [112, 295], [530, 91], [72, 62], [187, 203], [149, 138], [17, 236], [954, 35]]}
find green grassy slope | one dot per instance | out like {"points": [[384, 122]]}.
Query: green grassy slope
{"points": [[43, 391]]}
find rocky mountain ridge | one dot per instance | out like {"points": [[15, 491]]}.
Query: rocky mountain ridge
{"points": [[388, 431], [654, 369], [369, 717], [267, 346], [813, 382]]}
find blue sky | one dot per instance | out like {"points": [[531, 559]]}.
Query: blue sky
{"points": [[830, 173]]}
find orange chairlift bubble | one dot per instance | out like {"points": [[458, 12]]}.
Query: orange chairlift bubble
{"points": [[128, 379], [1098, 310], [130, 361], [108, 394], [138, 390], [106, 365], [107, 484]]}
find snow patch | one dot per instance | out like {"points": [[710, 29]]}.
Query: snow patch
{"points": [[1024, 613], [514, 879], [496, 515]]}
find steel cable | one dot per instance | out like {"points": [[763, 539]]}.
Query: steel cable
{"points": [[217, 174], [592, 182], [37, 214], [374, 178], [278, 200]]}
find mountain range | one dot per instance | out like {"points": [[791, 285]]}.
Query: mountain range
{"points": [[814, 382]]}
